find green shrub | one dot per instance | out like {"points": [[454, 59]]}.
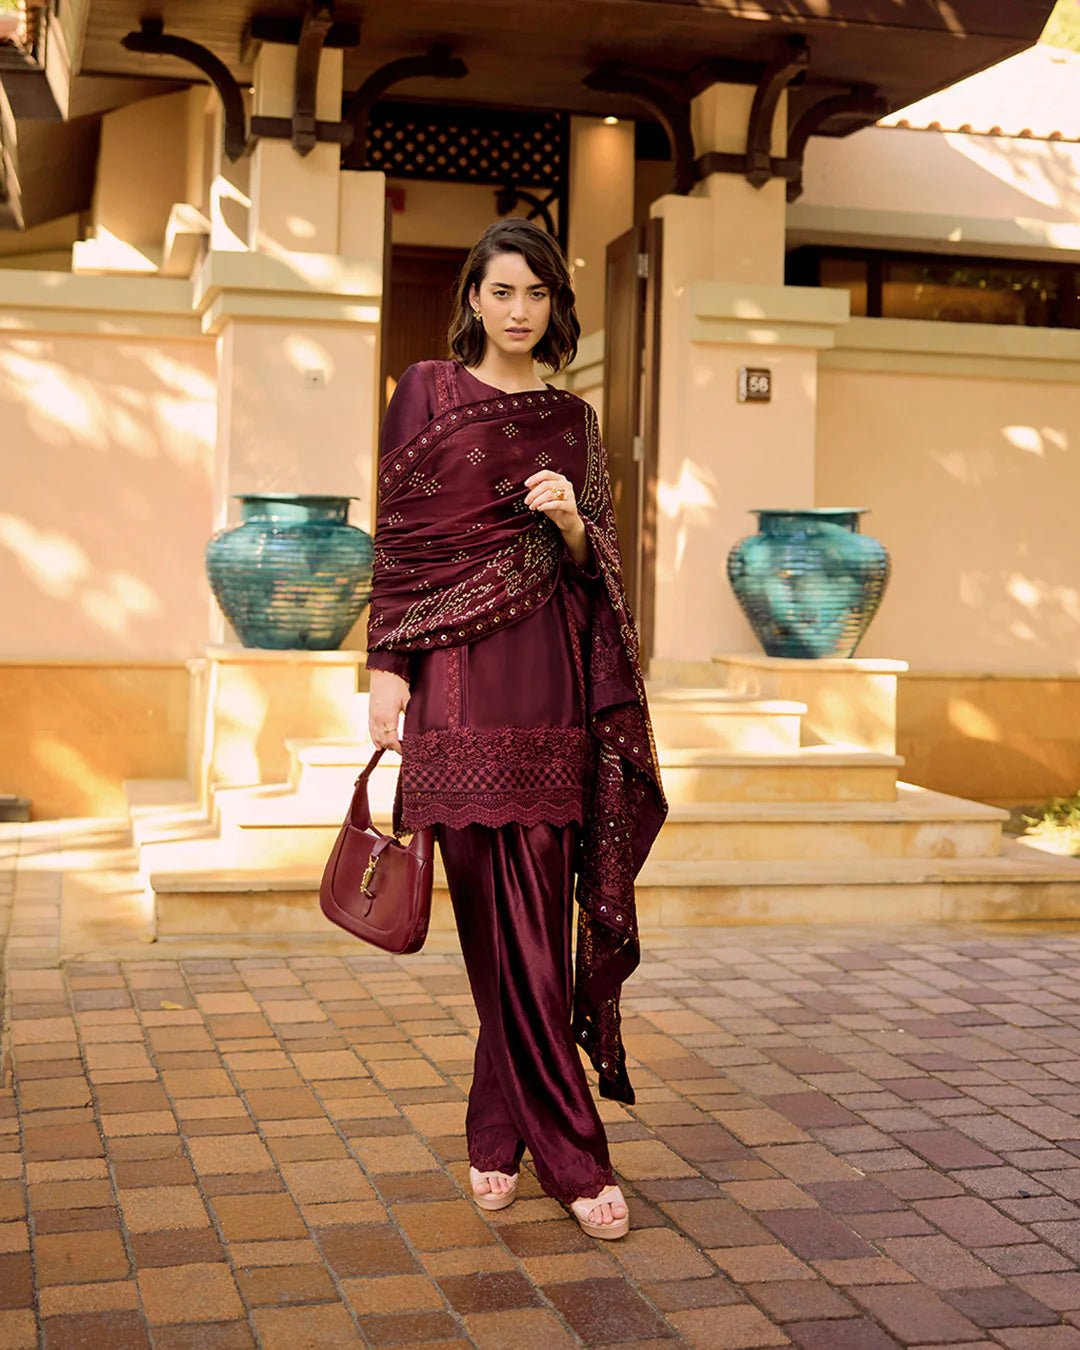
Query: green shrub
{"points": [[1063, 26], [1059, 813]]}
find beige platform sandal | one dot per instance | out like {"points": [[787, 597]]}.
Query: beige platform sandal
{"points": [[581, 1209], [492, 1199]]}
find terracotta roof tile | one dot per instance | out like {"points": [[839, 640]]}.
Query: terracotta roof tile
{"points": [[1031, 95]]}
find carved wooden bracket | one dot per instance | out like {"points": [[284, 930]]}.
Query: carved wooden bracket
{"points": [[312, 32], [789, 64], [668, 98], [669, 104], [857, 106], [437, 63], [153, 39], [758, 165], [862, 104]]}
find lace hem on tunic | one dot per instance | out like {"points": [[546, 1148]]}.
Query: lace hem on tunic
{"points": [[494, 776], [493, 811]]}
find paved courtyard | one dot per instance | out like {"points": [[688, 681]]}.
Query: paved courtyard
{"points": [[844, 1139]]}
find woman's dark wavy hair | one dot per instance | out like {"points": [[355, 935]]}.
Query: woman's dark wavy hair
{"points": [[558, 346]]}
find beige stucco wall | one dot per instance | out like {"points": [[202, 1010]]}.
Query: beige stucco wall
{"points": [[972, 482], [71, 732], [601, 207], [108, 446], [315, 440], [1008, 739], [944, 191], [441, 215], [143, 167]]}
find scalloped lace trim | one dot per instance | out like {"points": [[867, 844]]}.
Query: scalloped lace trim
{"points": [[493, 811], [495, 776]]}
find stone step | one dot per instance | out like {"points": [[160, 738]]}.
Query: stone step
{"points": [[700, 717], [919, 824], [685, 717], [810, 774], [163, 810], [806, 774], [229, 901], [717, 718], [282, 828], [1018, 885]]}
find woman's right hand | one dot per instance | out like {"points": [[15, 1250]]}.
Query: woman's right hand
{"points": [[387, 700]]}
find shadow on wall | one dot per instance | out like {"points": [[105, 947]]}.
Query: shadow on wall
{"points": [[690, 498], [1043, 174], [71, 733], [996, 504], [1008, 741], [106, 507], [971, 481], [1014, 181], [967, 478]]}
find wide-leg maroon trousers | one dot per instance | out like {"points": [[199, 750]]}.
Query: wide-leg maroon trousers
{"points": [[512, 893]]}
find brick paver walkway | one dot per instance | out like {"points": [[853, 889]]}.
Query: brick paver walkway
{"points": [[844, 1140]]}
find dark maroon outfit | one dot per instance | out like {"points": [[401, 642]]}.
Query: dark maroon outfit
{"points": [[496, 756]]}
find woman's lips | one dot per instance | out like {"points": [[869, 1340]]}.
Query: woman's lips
{"points": [[519, 332]]}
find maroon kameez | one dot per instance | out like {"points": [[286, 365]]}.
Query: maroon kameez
{"points": [[502, 778], [511, 697]]}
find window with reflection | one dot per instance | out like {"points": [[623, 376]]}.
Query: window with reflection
{"points": [[969, 292], [847, 274], [895, 285]]}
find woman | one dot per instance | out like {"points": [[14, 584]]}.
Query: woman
{"points": [[499, 628]]}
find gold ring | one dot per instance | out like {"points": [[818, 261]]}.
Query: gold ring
{"points": [[560, 493]]}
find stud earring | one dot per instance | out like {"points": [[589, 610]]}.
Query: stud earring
{"points": [[476, 313]]}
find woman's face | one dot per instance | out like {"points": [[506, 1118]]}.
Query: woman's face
{"points": [[514, 304]]}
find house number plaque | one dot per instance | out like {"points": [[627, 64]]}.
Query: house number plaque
{"points": [[755, 384]]}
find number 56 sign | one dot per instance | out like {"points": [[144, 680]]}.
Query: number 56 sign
{"points": [[755, 384]]}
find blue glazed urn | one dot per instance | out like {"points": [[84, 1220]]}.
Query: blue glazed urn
{"points": [[808, 581], [294, 573]]}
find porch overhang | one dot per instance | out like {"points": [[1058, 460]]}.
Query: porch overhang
{"points": [[517, 54], [523, 54]]}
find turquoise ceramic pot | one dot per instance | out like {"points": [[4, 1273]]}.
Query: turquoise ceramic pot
{"points": [[294, 573], [808, 581]]}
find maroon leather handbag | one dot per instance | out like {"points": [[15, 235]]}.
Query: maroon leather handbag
{"points": [[374, 886]]}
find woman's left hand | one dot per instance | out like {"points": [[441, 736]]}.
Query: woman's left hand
{"points": [[553, 494]]}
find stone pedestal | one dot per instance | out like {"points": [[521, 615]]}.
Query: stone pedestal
{"points": [[848, 702], [245, 702]]}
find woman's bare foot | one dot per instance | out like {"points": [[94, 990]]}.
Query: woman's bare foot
{"points": [[605, 1215], [492, 1190], [609, 1212]]}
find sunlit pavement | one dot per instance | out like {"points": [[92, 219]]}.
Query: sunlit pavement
{"points": [[844, 1139]]}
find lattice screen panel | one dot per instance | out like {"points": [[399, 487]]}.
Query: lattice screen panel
{"points": [[468, 145]]}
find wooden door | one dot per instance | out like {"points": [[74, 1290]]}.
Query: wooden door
{"points": [[631, 368], [421, 299]]}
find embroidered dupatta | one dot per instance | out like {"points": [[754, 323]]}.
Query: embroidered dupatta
{"points": [[458, 555]]}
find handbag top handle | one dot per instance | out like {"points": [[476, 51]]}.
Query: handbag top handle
{"points": [[363, 820], [365, 772], [360, 812]]}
